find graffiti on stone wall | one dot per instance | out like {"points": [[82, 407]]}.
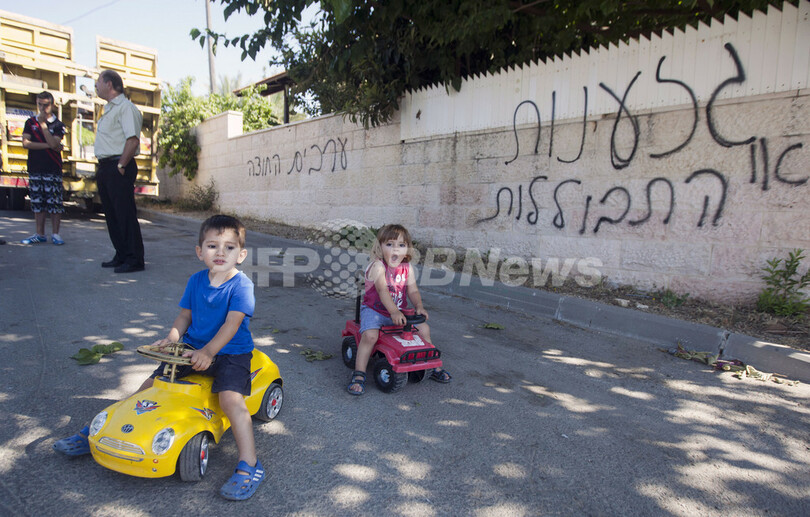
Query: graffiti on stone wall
{"points": [[271, 165], [510, 201]]}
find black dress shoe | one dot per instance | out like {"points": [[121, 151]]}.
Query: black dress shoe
{"points": [[111, 263], [128, 268]]}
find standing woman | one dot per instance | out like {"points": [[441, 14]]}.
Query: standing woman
{"points": [[117, 143], [42, 136]]}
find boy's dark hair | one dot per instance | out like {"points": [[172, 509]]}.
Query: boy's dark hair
{"points": [[111, 76], [219, 223], [46, 96]]}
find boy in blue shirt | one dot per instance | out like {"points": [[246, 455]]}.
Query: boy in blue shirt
{"points": [[215, 311]]}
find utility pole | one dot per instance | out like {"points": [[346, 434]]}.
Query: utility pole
{"points": [[212, 74]]}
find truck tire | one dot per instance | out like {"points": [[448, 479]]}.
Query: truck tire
{"points": [[12, 198], [89, 204], [17, 198], [386, 378], [349, 351]]}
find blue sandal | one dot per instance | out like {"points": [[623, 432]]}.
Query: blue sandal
{"points": [[440, 376], [76, 445], [359, 379], [241, 486]]}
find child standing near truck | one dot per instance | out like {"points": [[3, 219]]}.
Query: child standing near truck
{"points": [[215, 310], [389, 283], [42, 136]]}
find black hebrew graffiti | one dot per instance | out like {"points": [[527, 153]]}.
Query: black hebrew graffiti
{"points": [[713, 184], [619, 192], [719, 212], [584, 128], [649, 201], [271, 165], [535, 212], [605, 219], [777, 171], [694, 109], [514, 129], [617, 161], [737, 79], [553, 114], [559, 219], [498, 204]]}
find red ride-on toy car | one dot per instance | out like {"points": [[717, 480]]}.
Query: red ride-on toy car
{"points": [[400, 354]]}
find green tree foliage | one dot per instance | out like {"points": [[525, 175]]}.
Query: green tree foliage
{"points": [[182, 111], [359, 56]]}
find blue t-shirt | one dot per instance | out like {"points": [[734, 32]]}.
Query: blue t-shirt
{"points": [[210, 305]]}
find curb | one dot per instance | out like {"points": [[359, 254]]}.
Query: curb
{"points": [[650, 328]]}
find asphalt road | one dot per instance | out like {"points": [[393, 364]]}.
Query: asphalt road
{"points": [[541, 418]]}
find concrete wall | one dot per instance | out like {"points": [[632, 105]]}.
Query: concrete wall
{"points": [[701, 220]]}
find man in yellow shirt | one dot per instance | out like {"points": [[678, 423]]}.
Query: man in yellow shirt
{"points": [[117, 143]]}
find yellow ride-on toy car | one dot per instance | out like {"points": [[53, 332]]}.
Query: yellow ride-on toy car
{"points": [[169, 427]]}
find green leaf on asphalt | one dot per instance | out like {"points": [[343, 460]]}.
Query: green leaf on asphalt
{"points": [[93, 355], [115, 346], [86, 356], [315, 355], [493, 326]]}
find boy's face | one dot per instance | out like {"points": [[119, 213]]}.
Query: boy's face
{"points": [[221, 251], [394, 251], [45, 106]]}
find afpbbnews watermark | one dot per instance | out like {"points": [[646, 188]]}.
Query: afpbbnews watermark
{"points": [[337, 263], [336, 271]]}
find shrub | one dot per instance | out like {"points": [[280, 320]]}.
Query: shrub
{"points": [[783, 295], [200, 198]]}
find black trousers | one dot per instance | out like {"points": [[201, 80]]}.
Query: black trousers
{"points": [[117, 194]]}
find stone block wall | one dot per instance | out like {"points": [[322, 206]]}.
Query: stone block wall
{"points": [[655, 202]]}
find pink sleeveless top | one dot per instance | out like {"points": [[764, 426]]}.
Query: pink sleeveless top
{"points": [[397, 281]]}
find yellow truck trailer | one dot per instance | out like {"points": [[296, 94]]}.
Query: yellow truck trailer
{"points": [[36, 55]]}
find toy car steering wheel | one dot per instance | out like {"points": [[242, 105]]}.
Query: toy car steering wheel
{"points": [[171, 353], [415, 319]]}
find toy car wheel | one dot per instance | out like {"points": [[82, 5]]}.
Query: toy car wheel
{"points": [[417, 376], [193, 460], [271, 403], [386, 378], [349, 351]]}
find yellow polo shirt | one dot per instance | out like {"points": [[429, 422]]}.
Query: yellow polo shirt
{"points": [[121, 120]]}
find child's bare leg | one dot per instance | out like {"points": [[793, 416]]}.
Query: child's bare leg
{"points": [[233, 404], [364, 348], [146, 384], [424, 331]]}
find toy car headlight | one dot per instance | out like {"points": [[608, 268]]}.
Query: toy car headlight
{"points": [[163, 440], [97, 423]]}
